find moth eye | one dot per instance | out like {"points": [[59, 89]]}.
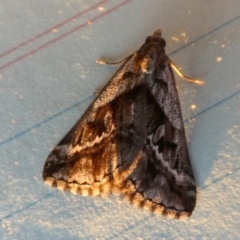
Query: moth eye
{"points": [[162, 43], [148, 39]]}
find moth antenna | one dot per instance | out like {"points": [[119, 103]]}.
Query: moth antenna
{"points": [[112, 63], [180, 74]]}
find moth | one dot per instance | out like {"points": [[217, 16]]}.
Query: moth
{"points": [[131, 140]]}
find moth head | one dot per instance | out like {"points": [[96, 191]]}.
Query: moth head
{"points": [[152, 52], [157, 39]]}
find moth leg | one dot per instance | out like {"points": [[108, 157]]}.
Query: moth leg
{"points": [[118, 62], [180, 74]]}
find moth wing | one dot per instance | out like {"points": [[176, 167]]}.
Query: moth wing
{"points": [[163, 180], [103, 144]]}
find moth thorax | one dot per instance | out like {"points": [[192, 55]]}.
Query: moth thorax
{"points": [[147, 64]]}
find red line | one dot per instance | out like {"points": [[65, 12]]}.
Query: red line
{"points": [[50, 29], [64, 35]]}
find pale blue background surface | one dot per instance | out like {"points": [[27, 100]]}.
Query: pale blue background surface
{"points": [[47, 78]]}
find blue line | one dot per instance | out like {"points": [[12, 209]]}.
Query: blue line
{"points": [[26, 207], [215, 181], [216, 104], [212, 106], [44, 121], [204, 35]]}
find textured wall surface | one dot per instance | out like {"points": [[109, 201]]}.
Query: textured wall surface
{"points": [[47, 78]]}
